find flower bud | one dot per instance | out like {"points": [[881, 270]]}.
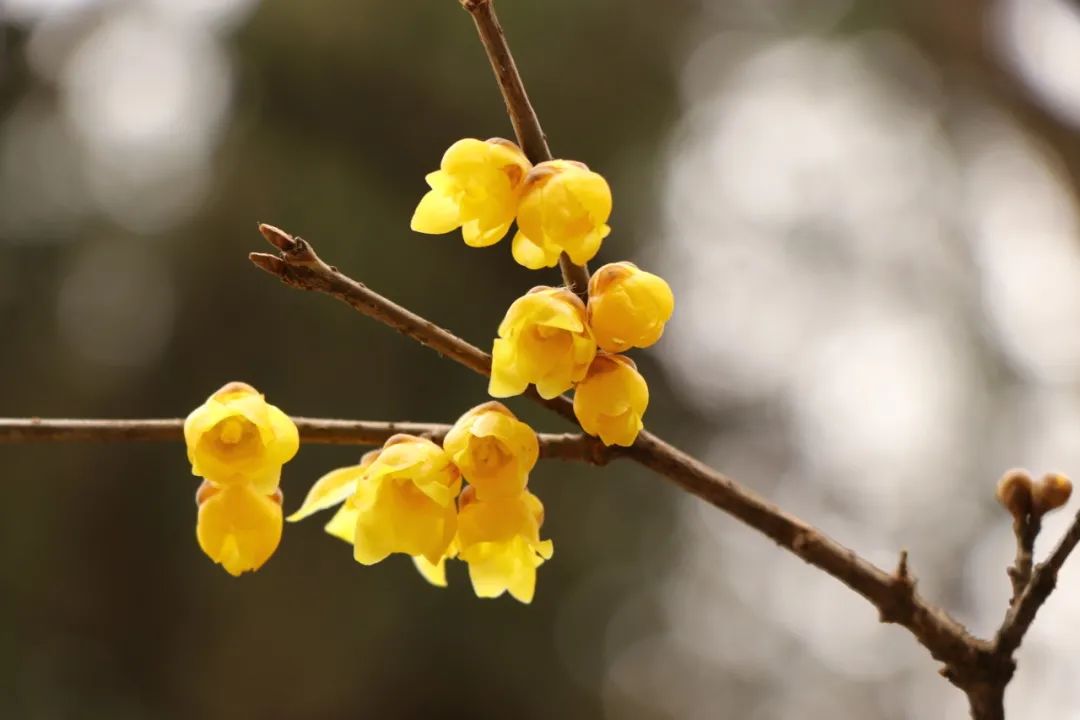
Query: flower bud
{"points": [[476, 189], [628, 307], [1051, 492], [564, 208], [1014, 492], [611, 400], [545, 340]]}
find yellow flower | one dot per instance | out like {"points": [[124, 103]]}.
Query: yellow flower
{"points": [[500, 540], [564, 208], [405, 502], [238, 526], [611, 399], [628, 307], [341, 486], [544, 339], [476, 188], [235, 437], [493, 449]]}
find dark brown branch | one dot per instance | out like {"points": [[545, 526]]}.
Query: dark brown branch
{"points": [[1043, 580], [530, 135], [315, 431], [895, 596]]}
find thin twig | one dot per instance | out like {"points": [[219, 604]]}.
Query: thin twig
{"points": [[526, 124], [1026, 528], [895, 596], [1043, 581], [316, 431]]}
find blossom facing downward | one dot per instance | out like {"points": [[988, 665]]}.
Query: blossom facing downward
{"points": [[493, 449], [611, 399], [236, 437], [628, 307], [476, 188], [238, 527], [500, 540], [545, 340], [564, 208]]}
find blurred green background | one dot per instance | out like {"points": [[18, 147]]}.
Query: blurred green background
{"points": [[141, 141]]}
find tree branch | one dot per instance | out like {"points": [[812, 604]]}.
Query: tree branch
{"points": [[894, 595], [316, 431], [530, 135], [1043, 581]]}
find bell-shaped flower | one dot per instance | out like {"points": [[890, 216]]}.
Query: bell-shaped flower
{"points": [[628, 307], [493, 449], [611, 399], [238, 527], [404, 502], [236, 437], [544, 339], [476, 188], [500, 540], [564, 208]]}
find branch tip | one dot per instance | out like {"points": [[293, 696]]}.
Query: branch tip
{"points": [[278, 238]]}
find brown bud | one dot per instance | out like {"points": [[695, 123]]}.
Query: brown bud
{"points": [[1051, 492], [1014, 492]]}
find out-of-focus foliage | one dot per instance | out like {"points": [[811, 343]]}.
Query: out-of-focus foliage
{"points": [[867, 214]]}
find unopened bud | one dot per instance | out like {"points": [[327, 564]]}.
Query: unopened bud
{"points": [[1051, 493], [1014, 492]]}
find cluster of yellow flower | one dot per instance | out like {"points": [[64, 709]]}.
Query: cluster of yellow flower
{"points": [[549, 337], [238, 444], [482, 186], [407, 498]]}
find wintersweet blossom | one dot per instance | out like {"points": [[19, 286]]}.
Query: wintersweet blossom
{"points": [[236, 437], [476, 189], [564, 208], [500, 540], [238, 527], [544, 339], [611, 399], [628, 307], [493, 449]]}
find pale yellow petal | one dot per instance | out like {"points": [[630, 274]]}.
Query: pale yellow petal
{"points": [[329, 490], [434, 573], [343, 524], [436, 214]]}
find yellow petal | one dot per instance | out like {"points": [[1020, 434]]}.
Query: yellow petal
{"points": [[329, 490], [531, 254], [436, 214], [479, 235], [434, 573], [343, 524]]}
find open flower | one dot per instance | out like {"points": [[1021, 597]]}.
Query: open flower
{"points": [[544, 339], [238, 526], [493, 449], [564, 208], [611, 399], [628, 307], [398, 500], [500, 540], [476, 188], [235, 437]]}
